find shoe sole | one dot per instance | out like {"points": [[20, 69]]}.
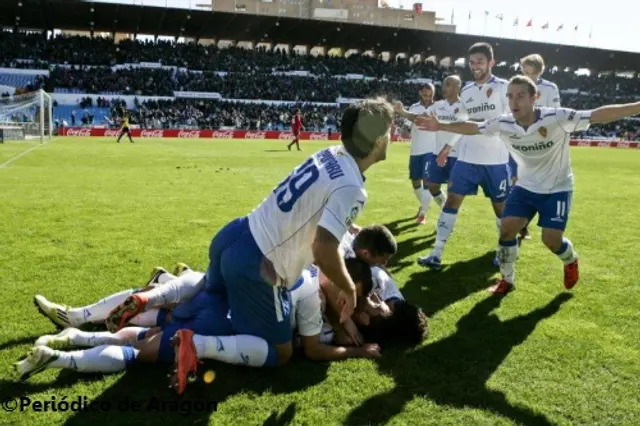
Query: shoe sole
{"points": [[116, 320], [184, 373]]}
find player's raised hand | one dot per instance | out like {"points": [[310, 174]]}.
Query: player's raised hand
{"points": [[346, 304], [442, 156], [371, 350], [428, 122]]}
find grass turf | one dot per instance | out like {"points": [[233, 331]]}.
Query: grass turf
{"points": [[82, 218]]}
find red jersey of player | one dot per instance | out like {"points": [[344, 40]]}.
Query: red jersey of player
{"points": [[296, 127]]}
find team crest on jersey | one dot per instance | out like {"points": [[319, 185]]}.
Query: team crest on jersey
{"points": [[543, 132], [489, 92], [352, 215]]}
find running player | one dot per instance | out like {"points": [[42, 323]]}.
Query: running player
{"points": [[422, 144], [538, 138], [296, 127], [548, 96], [478, 164], [125, 129], [302, 221]]}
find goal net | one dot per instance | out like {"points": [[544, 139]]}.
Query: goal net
{"points": [[27, 116]]}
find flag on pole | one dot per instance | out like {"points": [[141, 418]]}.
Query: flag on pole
{"points": [[575, 28], [515, 23], [560, 27], [451, 16], [530, 23], [545, 26], [469, 15], [486, 13], [500, 16]]}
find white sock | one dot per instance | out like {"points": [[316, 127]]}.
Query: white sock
{"points": [[242, 349], [425, 200], [126, 336], [146, 319], [498, 226], [567, 253], [101, 359], [440, 199], [165, 277], [418, 193], [99, 311], [444, 229], [175, 291], [508, 255]]}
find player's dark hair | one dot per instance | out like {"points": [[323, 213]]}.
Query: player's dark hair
{"points": [[525, 81], [376, 239], [407, 326], [483, 48], [363, 123], [360, 271], [428, 86]]}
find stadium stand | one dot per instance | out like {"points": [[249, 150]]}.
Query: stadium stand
{"points": [[259, 88]]}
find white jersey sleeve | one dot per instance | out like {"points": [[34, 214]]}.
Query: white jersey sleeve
{"points": [[342, 209], [346, 246], [549, 94], [422, 141], [384, 286], [490, 127], [572, 120], [326, 190], [306, 317]]}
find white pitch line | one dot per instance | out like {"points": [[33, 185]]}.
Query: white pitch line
{"points": [[22, 154]]}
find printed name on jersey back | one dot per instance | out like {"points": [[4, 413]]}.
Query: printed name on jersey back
{"points": [[331, 165]]}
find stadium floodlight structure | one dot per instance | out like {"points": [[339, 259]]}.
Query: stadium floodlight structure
{"points": [[26, 116]]}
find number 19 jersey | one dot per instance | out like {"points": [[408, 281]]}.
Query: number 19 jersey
{"points": [[327, 190]]}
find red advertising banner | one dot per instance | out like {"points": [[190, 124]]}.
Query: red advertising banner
{"points": [[274, 134]]}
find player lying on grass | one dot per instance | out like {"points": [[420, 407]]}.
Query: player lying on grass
{"points": [[538, 139], [113, 352]]}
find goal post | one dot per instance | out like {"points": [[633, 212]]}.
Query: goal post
{"points": [[26, 117]]}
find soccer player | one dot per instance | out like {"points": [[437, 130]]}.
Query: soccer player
{"points": [[296, 127], [548, 96], [125, 128], [538, 138], [447, 109], [301, 222], [479, 164], [113, 352], [422, 143]]}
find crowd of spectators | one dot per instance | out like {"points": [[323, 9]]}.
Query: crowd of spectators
{"points": [[85, 65]]}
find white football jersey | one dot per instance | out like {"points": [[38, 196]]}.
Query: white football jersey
{"points": [[306, 306], [346, 246], [549, 94], [542, 150], [422, 141], [447, 112], [484, 103], [384, 286], [327, 190]]}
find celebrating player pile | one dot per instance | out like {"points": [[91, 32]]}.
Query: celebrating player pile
{"points": [[538, 139]]}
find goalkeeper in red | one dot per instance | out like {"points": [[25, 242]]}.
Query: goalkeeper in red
{"points": [[538, 139], [296, 128]]}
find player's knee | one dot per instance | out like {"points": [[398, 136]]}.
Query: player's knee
{"points": [[454, 201], [285, 352]]}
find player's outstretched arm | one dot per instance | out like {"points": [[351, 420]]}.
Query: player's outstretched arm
{"points": [[608, 113], [327, 257], [431, 123], [318, 351]]}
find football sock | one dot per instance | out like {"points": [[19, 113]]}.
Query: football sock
{"points": [[148, 318], [440, 199], [242, 350], [444, 229], [99, 311], [508, 254], [566, 253], [175, 291], [101, 359]]}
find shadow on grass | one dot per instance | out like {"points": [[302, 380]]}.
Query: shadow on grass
{"points": [[454, 371], [149, 386]]}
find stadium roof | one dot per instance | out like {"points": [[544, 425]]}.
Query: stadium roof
{"points": [[140, 19]]}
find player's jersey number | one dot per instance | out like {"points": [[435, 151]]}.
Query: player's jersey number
{"points": [[292, 188]]}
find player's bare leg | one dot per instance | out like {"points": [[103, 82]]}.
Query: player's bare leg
{"points": [[508, 254], [295, 142], [444, 229], [563, 248]]}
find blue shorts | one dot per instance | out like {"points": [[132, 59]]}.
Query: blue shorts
{"points": [[436, 174], [513, 167], [494, 180], [238, 273], [204, 314], [417, 164], [553, 209]]}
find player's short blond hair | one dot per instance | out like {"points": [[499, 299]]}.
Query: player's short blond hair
{"points": [[525, 81], [534, 60]]}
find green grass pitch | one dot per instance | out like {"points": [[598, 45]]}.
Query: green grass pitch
{"points": [[81, 218]]}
